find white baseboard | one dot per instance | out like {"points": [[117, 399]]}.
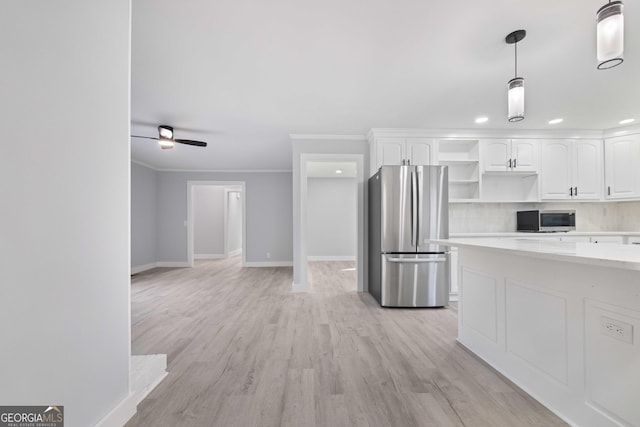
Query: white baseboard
{"points": [[269, 264], [172, 264], [145, 374], [140, 268], [235, 252], [330, 258], [299, 287], [209, 256], [121, 414]]}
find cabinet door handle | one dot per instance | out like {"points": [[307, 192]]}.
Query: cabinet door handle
{"points": [[509, 163], [571, 191], [575, 191], [514, 163], [609, 191]]}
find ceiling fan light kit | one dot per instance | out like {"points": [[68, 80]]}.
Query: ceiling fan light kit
{"points": [[610, 35], [166, 140], [515, 94], [165, 131]]}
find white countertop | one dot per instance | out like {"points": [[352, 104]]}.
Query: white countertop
{"points": [[543, 235], [607, 255]]}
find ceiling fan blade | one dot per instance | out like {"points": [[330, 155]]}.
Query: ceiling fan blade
{"points": [[191, 142], [145, 137]]}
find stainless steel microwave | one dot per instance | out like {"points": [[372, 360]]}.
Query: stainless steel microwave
{"points": [[546, 221]]}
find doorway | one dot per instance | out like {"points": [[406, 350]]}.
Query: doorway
{"points": [[301, 280], [332, 220], [216, 226]]}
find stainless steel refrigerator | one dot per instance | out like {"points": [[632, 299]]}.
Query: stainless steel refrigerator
{"points": [[408, 205]]}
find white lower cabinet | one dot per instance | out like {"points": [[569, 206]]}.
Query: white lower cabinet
{"points": [[607, 239], [453, 290]]}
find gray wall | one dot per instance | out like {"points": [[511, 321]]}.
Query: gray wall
{"points": [[208, 220], [331, 217], [143, 215], [269, 214], [234, 221], [64, 187]]}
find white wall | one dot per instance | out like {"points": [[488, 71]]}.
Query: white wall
{"points": [[234, 222], [64, 187], [331, 218], [268, 209], [143, 216], [208, 220]]}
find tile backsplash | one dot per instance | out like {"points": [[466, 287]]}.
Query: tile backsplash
{"points": [[501, 217]]}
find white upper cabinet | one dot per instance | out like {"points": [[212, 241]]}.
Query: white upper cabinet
{"points": [[510, 155], [587, 170], [555, 171], [496, 154], [420, 151], [622, 163], [396, 151], [390, 151], [571, 170]]}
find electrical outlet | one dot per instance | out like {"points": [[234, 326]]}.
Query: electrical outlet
{"points": [[268, 255], [617, 329]]}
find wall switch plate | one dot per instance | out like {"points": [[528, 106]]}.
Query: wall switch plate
{"points": [[617, 329]]}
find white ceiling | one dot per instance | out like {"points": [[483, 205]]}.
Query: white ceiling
{"points": [[244, 74]]}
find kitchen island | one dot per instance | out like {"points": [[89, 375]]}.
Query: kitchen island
{"points": [[560, 319]]}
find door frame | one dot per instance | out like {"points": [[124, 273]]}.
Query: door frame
{"points": [[360, 215], [189, 222]]}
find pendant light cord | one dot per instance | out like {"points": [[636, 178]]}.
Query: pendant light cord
{"points": [[515, 45]]}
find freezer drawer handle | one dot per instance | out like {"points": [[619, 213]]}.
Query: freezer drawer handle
{"points": [[416, 260]]}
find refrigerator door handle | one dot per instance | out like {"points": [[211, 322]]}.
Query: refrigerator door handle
{"points": [[419, 217], [416, 260], [414, 209]]}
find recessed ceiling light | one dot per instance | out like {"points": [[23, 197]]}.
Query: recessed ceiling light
{"points": [[482, 119], [627, 121], [555, 121], [338, 170]]}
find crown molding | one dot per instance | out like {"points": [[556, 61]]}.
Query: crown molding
{"points": [[138, 162], [213, 170], [484, 133], [228, 170], [622, 131]]}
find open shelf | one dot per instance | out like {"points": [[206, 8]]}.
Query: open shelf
{"points": [[461, 155], [463, 181]]}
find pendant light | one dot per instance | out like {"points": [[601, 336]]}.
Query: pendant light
{"points": [[516, 84], [610, 35]]}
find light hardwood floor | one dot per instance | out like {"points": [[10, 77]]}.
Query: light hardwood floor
{"points": [[244, 351]]}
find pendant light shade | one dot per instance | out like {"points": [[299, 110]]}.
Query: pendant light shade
{"points": [[610, 35], [516, 99], [515, 94]]}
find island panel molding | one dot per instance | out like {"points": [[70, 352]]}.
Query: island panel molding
{"points": [[558, 303]]}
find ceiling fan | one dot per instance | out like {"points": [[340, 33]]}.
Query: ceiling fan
{"points": [[166, 140]]}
